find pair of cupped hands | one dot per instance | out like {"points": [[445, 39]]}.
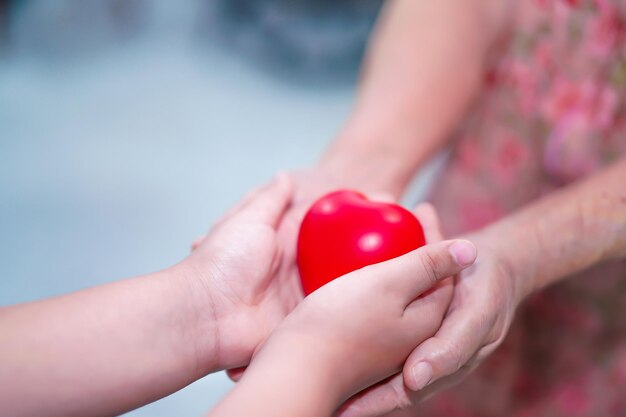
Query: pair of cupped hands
{"points": [[390, 334]]}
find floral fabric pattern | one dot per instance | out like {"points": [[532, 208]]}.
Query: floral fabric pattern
{"points": [[553, 110]]}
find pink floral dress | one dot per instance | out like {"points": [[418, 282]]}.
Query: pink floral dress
{"points": [[553, 111]]}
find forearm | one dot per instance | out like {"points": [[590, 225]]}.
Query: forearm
{"points": [[290, 382], [423, 67], [100, 351], [567, 231]]}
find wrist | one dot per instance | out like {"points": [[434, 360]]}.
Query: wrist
{"points": [[223, 331], [362, 172], [293, 359], [282, 382], [361, 159], [513, 253], [198, 317]]}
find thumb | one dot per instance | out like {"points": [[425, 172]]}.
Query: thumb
{"points": [[269, 203], [235, 374], [377, 400], [411, 274], [451, 349], [428, 217]]}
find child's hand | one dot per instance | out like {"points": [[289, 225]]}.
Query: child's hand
{"points": [[483, 305], [232, 273], [359, 329], [115, 347]]}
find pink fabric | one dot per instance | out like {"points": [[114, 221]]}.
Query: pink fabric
{"points": [[553, 111]]}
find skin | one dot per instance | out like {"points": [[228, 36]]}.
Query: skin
{"points": [[394, 128], [363, 156], [330, 347], [579, 226], [143, 338], [564, 233], [395, 125], [109, 349]]}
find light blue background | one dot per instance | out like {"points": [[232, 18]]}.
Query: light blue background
{"points": [[112, 164]]}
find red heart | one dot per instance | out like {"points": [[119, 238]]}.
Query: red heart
{"points": [[344, 231]]}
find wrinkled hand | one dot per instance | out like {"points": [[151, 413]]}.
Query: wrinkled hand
{"points": [[360, 328], [484, 301]]}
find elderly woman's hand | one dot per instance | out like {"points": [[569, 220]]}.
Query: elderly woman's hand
{"points": [[484, 301]]}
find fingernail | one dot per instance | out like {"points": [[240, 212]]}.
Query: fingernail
{"points": [[463, 252], [422, 374]]}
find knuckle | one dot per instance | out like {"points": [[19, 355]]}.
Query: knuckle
{"points": [[493, 342], [401, 398], [453, 357], [486, 351], [430, 266], [483, 320]]}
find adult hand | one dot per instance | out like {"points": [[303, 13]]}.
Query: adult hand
{"points": [[338, 327], [484, 301]]}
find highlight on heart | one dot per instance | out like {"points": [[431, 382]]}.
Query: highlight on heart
{"points": [[344, 231]]}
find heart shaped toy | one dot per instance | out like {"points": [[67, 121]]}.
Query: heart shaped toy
{"points": [[344, 231]]}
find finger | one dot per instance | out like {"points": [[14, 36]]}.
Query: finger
{"points": [[226, 216], [235, 374], [270, 203], [377, 400], [238, 207], [427, 215], [197, 242], [415, 272], [432, 303], [245, 201], [240, 204], [393, 395], [441, 384], [454, 344], [381, 197]]}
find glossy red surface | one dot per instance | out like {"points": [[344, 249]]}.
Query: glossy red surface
{"points": [[344, 231]]}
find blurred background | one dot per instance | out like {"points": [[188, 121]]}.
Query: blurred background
{"points": [[128, 126]]}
